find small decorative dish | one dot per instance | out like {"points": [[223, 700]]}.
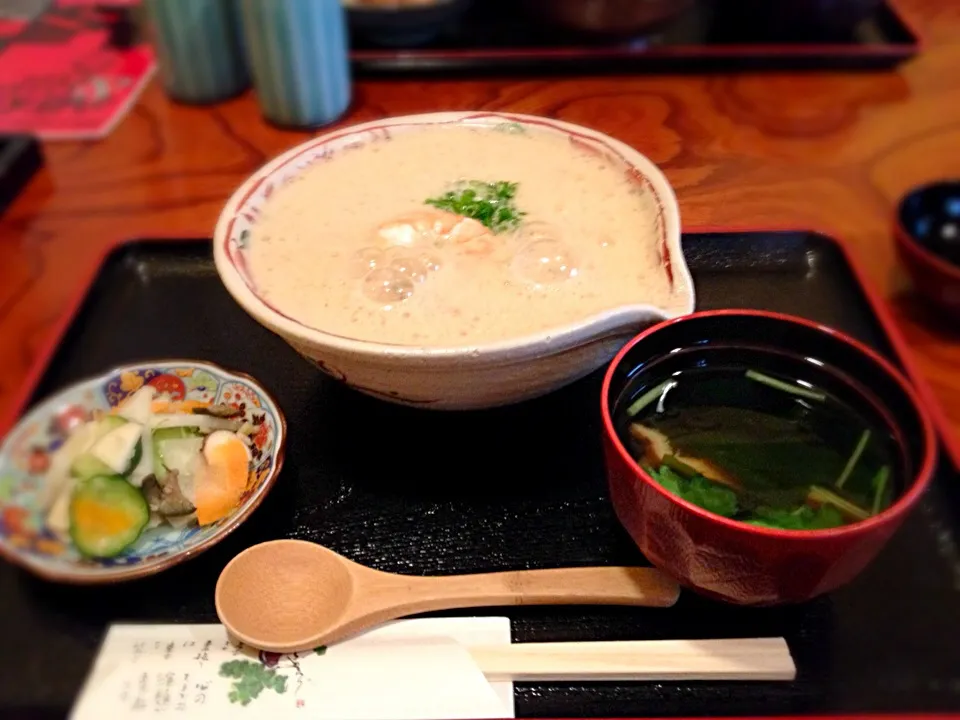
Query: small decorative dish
{"points": [[125, 474]]}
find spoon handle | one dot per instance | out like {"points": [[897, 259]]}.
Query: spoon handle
{"points": [[567, 586]]}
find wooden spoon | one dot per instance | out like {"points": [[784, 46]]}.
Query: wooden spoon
{"points": [[289, 595]]}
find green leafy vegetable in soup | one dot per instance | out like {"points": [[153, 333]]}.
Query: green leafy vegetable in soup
{"points": [[489, 203], [772, 451], [803, 518], [698, 490]]}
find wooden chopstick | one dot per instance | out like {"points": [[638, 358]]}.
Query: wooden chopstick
{"points": [[747, 659]]}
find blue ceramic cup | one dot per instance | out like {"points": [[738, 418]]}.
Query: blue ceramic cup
{"points": [[199, 49], [297, 53]]}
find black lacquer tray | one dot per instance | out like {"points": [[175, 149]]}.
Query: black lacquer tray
{"points": [[497, 36], [420, 492]]}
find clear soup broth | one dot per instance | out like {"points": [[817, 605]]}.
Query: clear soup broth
{"points": [[779, 444]]}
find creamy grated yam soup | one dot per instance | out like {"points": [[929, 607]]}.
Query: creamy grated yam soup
{"points": [[449, 236]]}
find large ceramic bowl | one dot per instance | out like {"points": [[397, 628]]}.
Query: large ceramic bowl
{"points": [[735, 561], [26, 452], [454, 377]]}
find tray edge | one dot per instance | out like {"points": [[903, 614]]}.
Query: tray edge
{"points": [[58, 329]]}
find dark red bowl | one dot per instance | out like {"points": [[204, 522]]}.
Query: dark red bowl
{"points": [[734, 561], [927, 232]]}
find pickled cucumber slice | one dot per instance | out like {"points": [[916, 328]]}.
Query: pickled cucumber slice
{"points": [[107, 515], [166, 440]]}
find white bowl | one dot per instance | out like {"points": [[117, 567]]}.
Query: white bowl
{"points": [[469, 376]]}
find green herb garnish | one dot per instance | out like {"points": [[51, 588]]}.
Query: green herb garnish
{"points": [[857, 452], [667, 478], [786, 387], [803, 518], [711, 496], [698, 490], [489, 203], [648, 397], [879, 486], [822, 496]]}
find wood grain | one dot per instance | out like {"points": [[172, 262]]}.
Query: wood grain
{"points": [[831, 151]]}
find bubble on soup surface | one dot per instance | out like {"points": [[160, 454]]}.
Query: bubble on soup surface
{"points": [[364, 260], [386, 285], [414, 268], [545, 262], [431, 262]]}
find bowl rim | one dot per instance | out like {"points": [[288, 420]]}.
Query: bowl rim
{"points": [[910, 243], [895, 511], [133, 572], [519, 348]]}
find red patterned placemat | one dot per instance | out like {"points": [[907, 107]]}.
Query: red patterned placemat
{"points": [[65, 70]]}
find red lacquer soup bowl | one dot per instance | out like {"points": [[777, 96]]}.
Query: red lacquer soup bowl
{"points": [[731, 560]]}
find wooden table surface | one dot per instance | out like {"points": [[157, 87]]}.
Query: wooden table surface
{"points": [[831, 151]]}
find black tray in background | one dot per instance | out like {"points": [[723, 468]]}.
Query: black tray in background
{"points": [[420, 492], [498, 36], [20, 158]]}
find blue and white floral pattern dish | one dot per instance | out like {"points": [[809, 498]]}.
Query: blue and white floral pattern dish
{"points": [[25, 457]]}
